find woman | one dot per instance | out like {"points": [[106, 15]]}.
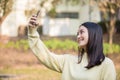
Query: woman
{"points": [[89, 64]]}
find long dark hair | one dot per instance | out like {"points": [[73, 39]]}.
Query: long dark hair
{"points": [[94, 47]]}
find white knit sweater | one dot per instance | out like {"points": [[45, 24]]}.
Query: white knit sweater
{"points": [[67, 64]]}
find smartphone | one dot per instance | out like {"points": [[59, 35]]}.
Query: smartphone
{"points": [[38, 13]]}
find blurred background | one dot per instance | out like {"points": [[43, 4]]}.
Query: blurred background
{"points": [[59, 21]]}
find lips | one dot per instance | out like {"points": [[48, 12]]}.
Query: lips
{"points": [[80, 39]]}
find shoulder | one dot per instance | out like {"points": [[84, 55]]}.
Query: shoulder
{"points": [[107, 62], [108, 69], [70, 57]]}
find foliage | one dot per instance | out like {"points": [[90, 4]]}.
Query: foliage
{"points": [[108, 50], [110, 9], [6, 6], [62, 45], [28, 13], [39, 29], [19, 45], [118, 26], [56, 44], [52, 13], [104, 27]]}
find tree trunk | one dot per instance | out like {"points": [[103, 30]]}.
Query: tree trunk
{"points": [[112, 29]]}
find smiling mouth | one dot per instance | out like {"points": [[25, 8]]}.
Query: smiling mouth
{"points": [[82, 39]]}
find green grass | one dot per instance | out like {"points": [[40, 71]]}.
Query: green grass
{"points": [[31, 73], [56, 44]]}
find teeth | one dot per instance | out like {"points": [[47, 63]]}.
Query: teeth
{"points": [[81, 39]]}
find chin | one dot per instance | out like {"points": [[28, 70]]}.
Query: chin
{"points": [[81, 46]]}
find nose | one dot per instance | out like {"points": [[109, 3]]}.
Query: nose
{"points": [[78, 36]]}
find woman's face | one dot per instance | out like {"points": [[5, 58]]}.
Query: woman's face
{"points": [[82, 36]]}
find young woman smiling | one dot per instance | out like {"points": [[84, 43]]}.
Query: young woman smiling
{"points": [[89, 64]]}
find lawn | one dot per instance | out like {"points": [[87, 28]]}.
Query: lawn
{"points": [[29, 73]]}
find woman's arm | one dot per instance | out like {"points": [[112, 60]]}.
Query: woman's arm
{"points": [[49, 59]]}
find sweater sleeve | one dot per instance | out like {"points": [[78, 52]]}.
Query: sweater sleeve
{"points": [[49, 59], [109, 72]]}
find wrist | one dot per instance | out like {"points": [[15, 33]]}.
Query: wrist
{"points": [[31, 30]]}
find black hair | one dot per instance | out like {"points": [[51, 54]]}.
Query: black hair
{"points": [[94, 46]]}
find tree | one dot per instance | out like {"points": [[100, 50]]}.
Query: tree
{"points": [[6, 6], [110, 8], [52, 11]]}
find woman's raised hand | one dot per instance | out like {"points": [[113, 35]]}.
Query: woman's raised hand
{"points": [[33, 23]]}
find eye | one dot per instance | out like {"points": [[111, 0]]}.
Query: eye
{"points": [[77, 33], [81, 31]]}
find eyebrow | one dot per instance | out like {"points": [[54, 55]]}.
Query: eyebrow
{"points": [[81, 30]]}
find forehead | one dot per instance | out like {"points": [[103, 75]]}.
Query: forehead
{"points": [[82, 28]]}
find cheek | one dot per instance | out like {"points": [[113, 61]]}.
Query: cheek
{"points": [[86, 39]]}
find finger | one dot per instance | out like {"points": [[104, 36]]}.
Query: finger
{"points": [[38, 13], [37, 24], [34, 15], [33, 18], [32, 22], [31, 26]]}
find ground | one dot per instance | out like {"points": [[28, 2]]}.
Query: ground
{"points": [[25, 63]]}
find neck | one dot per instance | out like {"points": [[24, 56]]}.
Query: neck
{"points": [[85, 50]]}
